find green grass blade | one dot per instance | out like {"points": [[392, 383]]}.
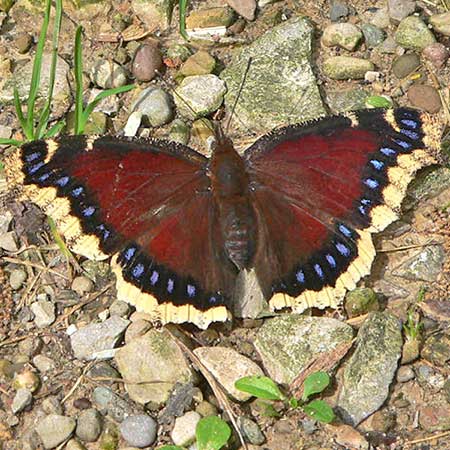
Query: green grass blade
{"points": [[91, 106], [58, 239], [14, 142], [78, 129], [45, 114], [55, 129], [182, 6], [20, 116], [37, 65]]}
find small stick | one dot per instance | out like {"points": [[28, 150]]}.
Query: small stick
{"points": [[77, 383], [429, 438], [31, 264]]}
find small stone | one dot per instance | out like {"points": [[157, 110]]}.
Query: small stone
{"points": [[137, 329], [380, 18], [426, 265], [413, 33], [82, 285], [348, 437], [199, 95], [245, 8], [338, 10], [154, 13], [381, 421], [73, 444], [51, 405], [108, 74], [119, 308], [202, 130], [206, 409], [176, 55], [183, 432], [139, 431], [405, 64], [8, 241], [345, 35], [210, 17], [345, 100], [26, 380], [23, 42], [16, 278], [97, 337], [147, 61], [111, 404], [361, 301], [251, 431], [405, 374], [89, 425], [373, 36], [82, 403], [179, 132], [31, 346], [429, 378], [155, 105], [410, 350], [441, 23], [389, 46], [201, 63], [109, 105], [44, 313], [437, 53], [436, 349], [435, 417], [55, 429], [43, 363], [399, 9], [346, 67], [133, 123], [21, 400]]}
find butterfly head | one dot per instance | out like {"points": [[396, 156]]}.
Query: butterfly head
{"points": [[222, 143]]}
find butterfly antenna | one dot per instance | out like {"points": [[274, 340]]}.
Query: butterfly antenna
{"points": [[238, 94]]}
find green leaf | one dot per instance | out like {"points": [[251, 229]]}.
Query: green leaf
{"points": [[55, 129], [260, 387], [319, 410], [376, 101], [212, 433], [182, 6], [314, 384], [58, 239], [79, 125], [293, 402], [14, 142], [23, 123], [171, 447]]}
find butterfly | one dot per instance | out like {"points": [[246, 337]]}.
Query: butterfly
{"points": [[297, 208]]}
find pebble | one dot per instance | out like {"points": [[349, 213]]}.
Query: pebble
{"points": [[109, 105], [413, 33], [27, 380], [405, 64], [345, 100], [210, 17], [373, 36], [43, 363], [89, 425], [389, 46], [21, 400], [206, 409], [176, 55], [437, 54], [338, 10], [108, 74], [119, 308], [139, 430], [154, 104], [410, 350], [245, 8], [17, 278], [348, 437], [31, 346], [5, 216], [200, 63], [436, 349], [8, 241], [361, 301], [405, 374], [97, 337], [44, 313], [137, 329], [251, 431], [82, 403], [202, 130], [199, 95], [113, 405], [380, 18], [346, 67], [399, 9], [183, 432], [436, 417], [51, 405], [82, 285], [441, 23], [345, 35], [73, 444], [179, 132], [147, 61], [55, 429], [133, 123]]}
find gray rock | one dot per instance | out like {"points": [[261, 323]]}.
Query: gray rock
{"points": [[199, 95], [55, 429], [280, 87], [361, 301], [21, 400], [380, 18], [113, 405], [425, 266], [152, 364], [73, 444], [425, 97], [51, 405], [441, 23], [405, 374], [251, 431], [109, 105], [16, 278], [338, 10], [373, 36], [108, 74], [5, 217], [147, 61], [413, 33], [137, 329], [89, 425], [245, 8], [179, 132], [287, 343], [371, 369], [389, 46], [183, 432], [43, 363], [427, 185], [82, 285], [345, 35], [437, 53], [8, 241], [133, 123], [97, 337], [227, 366], [405, 64], [155, 104], [103, 370], [44, 313], [399, 9], [119, 308], [154, 12], [31, 346], [347, 100], [139, 431], [346, 67]]}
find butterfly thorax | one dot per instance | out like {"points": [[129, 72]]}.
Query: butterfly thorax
{"points": [[230, 187]]}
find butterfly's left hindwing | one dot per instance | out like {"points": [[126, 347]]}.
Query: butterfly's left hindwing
{"points": [[321, 189]]}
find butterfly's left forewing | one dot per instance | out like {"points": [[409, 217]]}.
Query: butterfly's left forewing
{"points": [[321, 189]]}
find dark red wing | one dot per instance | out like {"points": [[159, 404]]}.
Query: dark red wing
{"points": [[320, 188], [147, 202]]}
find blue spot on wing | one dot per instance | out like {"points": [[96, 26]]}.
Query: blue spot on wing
{"points": [[331, 260], [154, 278], [388, 151], [170, 285], [342, 249], [62, 181], [300, 276], [409, 123], [190, 289], [403, 144], [36, 167], [129, 253], [32, 156], [77, 191], [318, 270], [88, 211], [345, 231], [138, 270], [378, 165], [44, 176], [411, 134], [371, 183]]}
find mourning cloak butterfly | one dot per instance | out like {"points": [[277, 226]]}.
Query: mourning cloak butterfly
{"points": [[299, 207]]}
